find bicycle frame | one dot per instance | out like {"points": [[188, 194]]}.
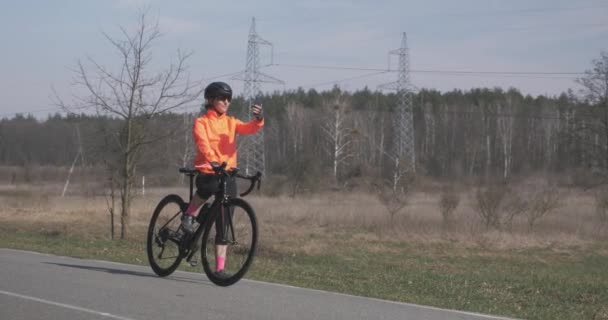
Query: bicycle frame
{"points": [[220, 202]]}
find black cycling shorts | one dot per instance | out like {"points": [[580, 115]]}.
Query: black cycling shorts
{"points": [[209, 184]]}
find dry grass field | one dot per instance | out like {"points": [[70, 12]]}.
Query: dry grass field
{"points": [[285, 220]]}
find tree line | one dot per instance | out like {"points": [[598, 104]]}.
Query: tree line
{"points": [[457, 134]]}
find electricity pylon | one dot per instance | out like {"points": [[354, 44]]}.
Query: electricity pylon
{"points": [[403, 119], [251, 149]]}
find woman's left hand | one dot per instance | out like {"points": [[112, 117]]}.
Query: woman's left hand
{"points": [[257, 111]]}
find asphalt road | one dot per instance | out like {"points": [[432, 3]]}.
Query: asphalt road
{"points": [[40, 286]]}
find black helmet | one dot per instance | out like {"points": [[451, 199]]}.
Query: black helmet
{"points": [[218, 90]]}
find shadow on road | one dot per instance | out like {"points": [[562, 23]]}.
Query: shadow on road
{"points": [[131, 273]]}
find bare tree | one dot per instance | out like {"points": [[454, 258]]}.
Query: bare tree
{"points": [[448, 202], [551, 129], [135, 94], [487, 202], [505, 130], [188, 151], [297, 161], [486, 120], [79, 155], [295, 118], [392, 200], [595, 92], [394, 193], [515, 205], [543, 201], [429, 132], [381, 139], [472, 142], [339, 136]]}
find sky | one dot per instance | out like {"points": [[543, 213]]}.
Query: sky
{"points": [[316, 43]]}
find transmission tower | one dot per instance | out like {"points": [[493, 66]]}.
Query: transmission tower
{"points": [[403, 119], [251, 151]]}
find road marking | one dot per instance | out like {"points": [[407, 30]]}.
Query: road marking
{"points": [[105, 314]]}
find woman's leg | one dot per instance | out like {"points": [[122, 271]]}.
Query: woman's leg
{"points": [[196, 202], [220, 249], [220, 257]]}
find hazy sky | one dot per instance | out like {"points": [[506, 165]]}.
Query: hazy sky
{"points": [[42, 40]]}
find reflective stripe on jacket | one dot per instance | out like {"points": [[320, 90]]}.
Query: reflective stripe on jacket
{"points": [[215, 138]]}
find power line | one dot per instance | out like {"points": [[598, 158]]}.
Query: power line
{"points": [[304, 66], [225, 75], [434, 71], [343, 80]]}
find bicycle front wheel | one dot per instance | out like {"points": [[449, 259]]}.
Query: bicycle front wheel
{"points": [[164, 236], [232, 232]]}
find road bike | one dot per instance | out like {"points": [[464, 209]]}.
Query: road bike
{"points": [[227, 220]]}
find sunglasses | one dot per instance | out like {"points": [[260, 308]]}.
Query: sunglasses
{"points": [[224, 98]]}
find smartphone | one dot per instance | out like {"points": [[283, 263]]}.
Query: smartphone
{"points": [[256, 103]]}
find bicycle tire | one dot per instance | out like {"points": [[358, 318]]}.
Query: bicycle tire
{"points": [[240, 252], [163, 234]]}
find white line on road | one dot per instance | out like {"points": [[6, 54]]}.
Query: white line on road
{"points": [[105, 314]]}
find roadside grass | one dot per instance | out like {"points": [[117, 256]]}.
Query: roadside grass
{"points": [[531, 284], [539, 283]]}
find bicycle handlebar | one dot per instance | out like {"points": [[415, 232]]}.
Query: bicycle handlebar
{"points": [[221, 170], [252, 179], [188, 171]]}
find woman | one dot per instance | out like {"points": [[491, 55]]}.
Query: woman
{"points": [[215, 138]]}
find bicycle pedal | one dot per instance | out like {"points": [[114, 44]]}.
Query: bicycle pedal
{"points": [[193, 263]]}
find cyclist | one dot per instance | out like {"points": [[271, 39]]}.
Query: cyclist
{"points": [[215, 138]]}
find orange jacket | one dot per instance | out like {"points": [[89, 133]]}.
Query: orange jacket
{"points": [[215, 138]]}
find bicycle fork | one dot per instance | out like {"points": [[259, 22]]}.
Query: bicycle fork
{"points": [[226, 228]]}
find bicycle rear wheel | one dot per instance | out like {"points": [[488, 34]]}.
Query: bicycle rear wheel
{"points": [[240, 235], [164, 236]]}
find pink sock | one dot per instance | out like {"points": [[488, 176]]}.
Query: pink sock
{"points": [[219, 263], [191, 211]]}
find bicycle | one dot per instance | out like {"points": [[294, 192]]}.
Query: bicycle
{"points": [[227, 220]]}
